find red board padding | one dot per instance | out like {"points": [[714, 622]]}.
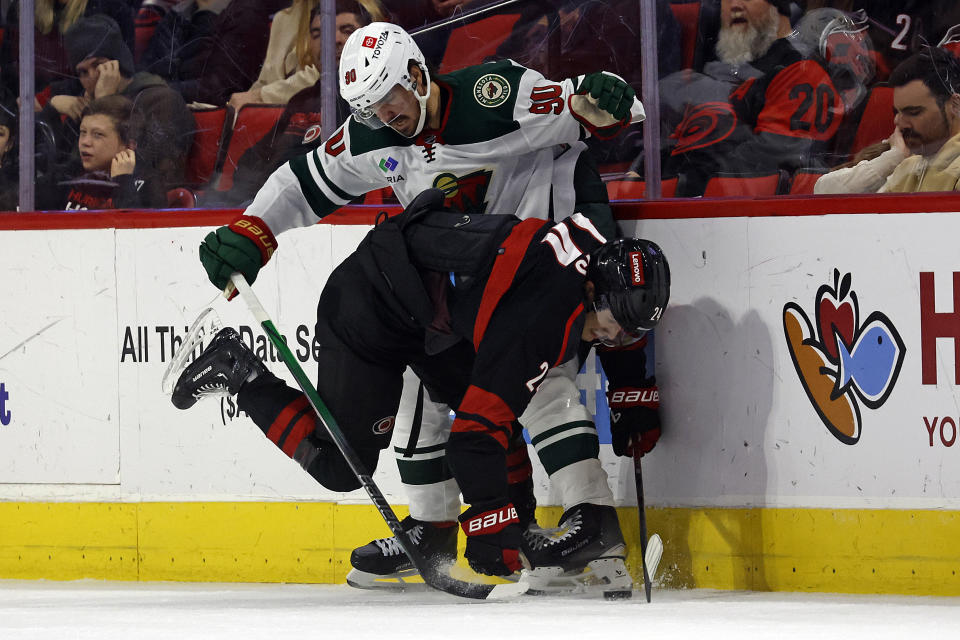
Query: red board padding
{"points": [[679, 208], [152, 219], [682, 208]]}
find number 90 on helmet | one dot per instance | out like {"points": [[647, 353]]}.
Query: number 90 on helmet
{"points": [[375, 61], [631, 277]]}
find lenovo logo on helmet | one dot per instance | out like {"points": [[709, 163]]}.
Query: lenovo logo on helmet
{"points": [[636, 268]]}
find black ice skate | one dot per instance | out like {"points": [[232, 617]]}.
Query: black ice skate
{"points": [[223, 366], [382, 564], [585, 551]]}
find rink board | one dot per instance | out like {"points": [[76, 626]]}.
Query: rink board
{"points": [[752, 489]]}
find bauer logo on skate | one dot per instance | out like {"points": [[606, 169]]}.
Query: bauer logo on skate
{"points": [[845, 362]]}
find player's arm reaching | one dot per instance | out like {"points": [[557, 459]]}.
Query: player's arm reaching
{"points": [[298, 194]]}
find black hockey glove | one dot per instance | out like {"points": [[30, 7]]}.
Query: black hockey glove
{"points": [[611, 92], [493, 538], [634, 419], [244, 246]]}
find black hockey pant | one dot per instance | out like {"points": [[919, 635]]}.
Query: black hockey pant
{"points": [[364, 347]]}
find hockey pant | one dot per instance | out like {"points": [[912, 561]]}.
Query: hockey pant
{"points": [[560, 428], [362, 354]]}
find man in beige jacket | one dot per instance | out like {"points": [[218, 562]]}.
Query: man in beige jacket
{"points": [[925, 147]]}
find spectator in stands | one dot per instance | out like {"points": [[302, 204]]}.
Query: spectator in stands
{"points": [[415, 14], [290, 64], [577, 36], [298, 129], [182, 35], [899, 28], [925, 147], [52, 20], [9, 162], [581, 35], [207, 56], [104, 175], [104, 66], [762, 107]]}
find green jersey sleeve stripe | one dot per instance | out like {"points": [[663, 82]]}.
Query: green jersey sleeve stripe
{"points": [[320, 204], [316, 170]]}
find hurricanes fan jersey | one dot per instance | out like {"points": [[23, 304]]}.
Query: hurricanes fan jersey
{"points": [[783, 118], [507, 136]]}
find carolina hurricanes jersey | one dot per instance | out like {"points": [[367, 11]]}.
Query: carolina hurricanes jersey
{"points": [[782, 118], [525, 319], [507, 143]]}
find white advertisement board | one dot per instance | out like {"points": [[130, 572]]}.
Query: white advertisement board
{"points": [[803, 361]]}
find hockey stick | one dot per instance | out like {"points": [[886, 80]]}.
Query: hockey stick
{"points": [[642, 515], [432, 575]]}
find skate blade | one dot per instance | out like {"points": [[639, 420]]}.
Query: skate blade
{"points": [[608, 575], [390, 582], [201, 332]]}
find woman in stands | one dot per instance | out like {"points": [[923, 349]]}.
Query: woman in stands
{"points": [[52, 19], [290, 65], [104, 174]]}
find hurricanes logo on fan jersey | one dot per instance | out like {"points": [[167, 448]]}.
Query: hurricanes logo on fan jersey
{"points": [[465, 193], [704, 125]]}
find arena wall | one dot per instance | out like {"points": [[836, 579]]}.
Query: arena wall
{"points": [[779, 468]]}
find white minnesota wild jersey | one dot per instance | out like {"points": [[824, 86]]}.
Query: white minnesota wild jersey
{"points": [[507, 143]]}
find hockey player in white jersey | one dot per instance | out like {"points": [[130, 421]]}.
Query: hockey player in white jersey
{"points": [[496, 138]]}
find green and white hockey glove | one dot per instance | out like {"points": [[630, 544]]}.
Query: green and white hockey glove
{"points": [[244, 245]]}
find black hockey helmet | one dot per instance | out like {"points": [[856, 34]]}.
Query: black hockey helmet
{"points": [[630, 277]]}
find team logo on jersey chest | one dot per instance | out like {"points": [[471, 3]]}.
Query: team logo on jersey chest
{"points": [[465, 193], [491, 90]]}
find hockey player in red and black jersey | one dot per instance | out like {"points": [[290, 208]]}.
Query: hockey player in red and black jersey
{"points": [[481, 307], [496, 138], [782, 115]]}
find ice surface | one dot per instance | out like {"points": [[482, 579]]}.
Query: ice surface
{"points": [[173, 611]]}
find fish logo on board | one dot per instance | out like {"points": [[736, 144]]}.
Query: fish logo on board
{"points": [[841, 362]]}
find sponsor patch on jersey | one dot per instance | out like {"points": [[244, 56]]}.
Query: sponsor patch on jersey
{"points": [[311, 134], [388, 164], [636, 268], [491, 90], [384, 425], [369, 42]]}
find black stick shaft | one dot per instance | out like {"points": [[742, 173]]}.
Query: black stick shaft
{"points": [[642, 515]]}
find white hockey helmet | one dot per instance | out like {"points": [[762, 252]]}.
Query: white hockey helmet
{"points": [[374, 63]]}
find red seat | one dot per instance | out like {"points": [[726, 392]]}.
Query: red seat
{"points": [[144, 25], [636, 188], [736, 185], [876, 121], [803, 181], [471, 43], [687, 13], [181, 198], [204, 157], [253, 122], [380, 196]]}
